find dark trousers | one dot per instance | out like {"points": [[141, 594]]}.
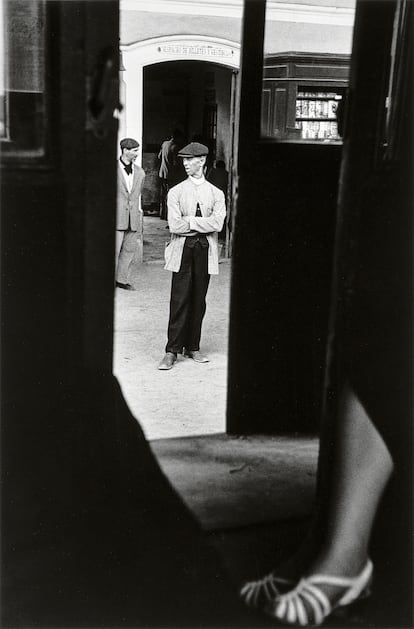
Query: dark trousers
{"points": [[163, 198], [188, 300]]}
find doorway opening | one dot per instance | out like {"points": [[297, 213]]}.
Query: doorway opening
{"points": [[194, 97]]}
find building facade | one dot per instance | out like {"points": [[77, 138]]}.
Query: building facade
{"points": [[181, 63]]}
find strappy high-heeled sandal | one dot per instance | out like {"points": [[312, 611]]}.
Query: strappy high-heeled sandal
{"points": [[261, 592], [307, 605]]}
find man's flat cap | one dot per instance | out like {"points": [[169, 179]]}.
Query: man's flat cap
{"points": [[128, 143], [194, 149]]}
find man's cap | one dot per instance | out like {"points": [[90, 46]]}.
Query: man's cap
{"points": [[194, 149], [128, 143]]}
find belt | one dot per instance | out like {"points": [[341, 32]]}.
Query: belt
{"points": [[192, 241]]}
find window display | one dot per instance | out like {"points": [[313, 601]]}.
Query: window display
{"points": [[316, 114]]}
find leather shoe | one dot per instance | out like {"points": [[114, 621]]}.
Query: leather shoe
{"points": [[125, 286], [168, 361], [196, 355]]}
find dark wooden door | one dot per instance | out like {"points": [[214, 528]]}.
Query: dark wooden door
{"points": [[282, 264], [92, 533], [59, 187], [58, 191]]}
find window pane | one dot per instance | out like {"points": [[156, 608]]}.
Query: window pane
{"points": [[306, 65], [316, 114], [22, 90]]}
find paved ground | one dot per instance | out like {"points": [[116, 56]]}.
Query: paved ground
{"points": [[231, 482], [191, 398]]}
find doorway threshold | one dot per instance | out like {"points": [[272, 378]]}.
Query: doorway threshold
{"points": [[230, 481]]}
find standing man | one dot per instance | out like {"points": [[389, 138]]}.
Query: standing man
{"points": [[170, 172], [129, 217], [196, 212]]}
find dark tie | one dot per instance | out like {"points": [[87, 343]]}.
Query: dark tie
{"points": [[127, 167], [199, 239]]}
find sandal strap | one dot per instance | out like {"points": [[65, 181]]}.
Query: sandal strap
{"points": [[319, 602], [252, 590], [353, 585], [320, 596], [326, 579], [292, 606]]}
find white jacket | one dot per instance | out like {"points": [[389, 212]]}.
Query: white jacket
{"points": [[182, 202]]}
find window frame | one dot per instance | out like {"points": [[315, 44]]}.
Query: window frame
{"points": [[40, 157]]}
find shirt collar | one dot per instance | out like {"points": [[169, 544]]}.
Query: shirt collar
{"points": [[197, 181], [122, 165]]}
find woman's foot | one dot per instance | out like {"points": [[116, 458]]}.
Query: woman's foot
{"points": [[316, 596], [261, 592]]}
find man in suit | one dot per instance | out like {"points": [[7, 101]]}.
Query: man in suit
{"points": [[129, 217]]}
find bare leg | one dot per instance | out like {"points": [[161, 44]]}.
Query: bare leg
{"points": [[361, 470], [362, 466]]}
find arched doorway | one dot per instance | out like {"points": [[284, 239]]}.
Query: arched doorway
{"points": [[187, 80], [195, 97], [165, 81], [163, 49]]}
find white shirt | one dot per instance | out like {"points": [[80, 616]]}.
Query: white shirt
{"points": [[129, 178], [197, 180]]}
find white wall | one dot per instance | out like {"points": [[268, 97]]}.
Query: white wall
{"points": [[303, 25]]}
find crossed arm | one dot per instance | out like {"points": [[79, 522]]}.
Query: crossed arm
{"points": [[183, 225]]}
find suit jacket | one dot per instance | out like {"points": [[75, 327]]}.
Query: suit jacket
{"points": [[171, 167], [128, 212], [167, 157]]}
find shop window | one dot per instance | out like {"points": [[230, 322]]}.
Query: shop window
{"points": [[316, 114], [306, 60]]}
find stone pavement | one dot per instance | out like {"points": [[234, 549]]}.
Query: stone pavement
{"points": [[190, 399]]}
